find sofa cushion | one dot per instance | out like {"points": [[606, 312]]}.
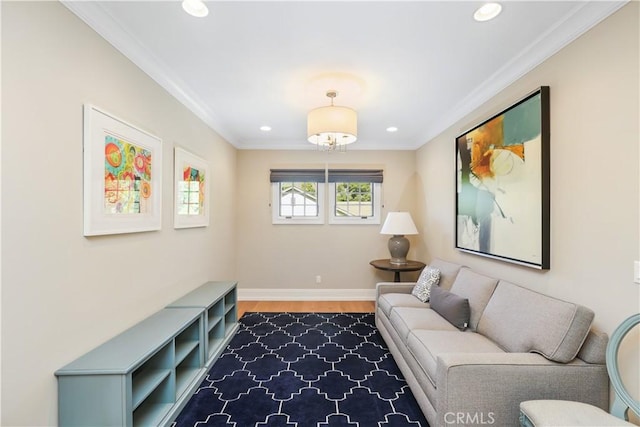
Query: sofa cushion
{"points": [[405, 319], [594, 348], [429, 277], [448, 272], [426, 345], [477, 288], [452, 307], [521, 320], [386, 302]]}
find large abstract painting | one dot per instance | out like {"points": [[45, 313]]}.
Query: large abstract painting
{"points": [[122, 176], [502, 184]]}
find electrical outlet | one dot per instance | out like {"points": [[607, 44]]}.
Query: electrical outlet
{"points": [[318, 279], [636, 272]]}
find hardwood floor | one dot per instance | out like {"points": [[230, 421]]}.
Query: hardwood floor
{"points": [[306, 306]]}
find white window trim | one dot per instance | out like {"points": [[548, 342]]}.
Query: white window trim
{"points": [[276, 218], [353, 220]]}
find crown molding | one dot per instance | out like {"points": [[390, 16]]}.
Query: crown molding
{"points": [[581, 19], [103, 23], [584, 17]]}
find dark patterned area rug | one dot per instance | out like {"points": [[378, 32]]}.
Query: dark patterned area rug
{"points": [[304, 369]]}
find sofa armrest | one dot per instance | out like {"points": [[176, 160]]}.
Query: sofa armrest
{"points": [[487, 388], [394, 288]]}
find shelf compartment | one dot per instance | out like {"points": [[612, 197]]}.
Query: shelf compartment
{"points": [[146, 382], [187, 340], [216, 338], [151, 414], [183, 348], [146, 379], [187, 371], [214, 321], [230, 319], [215, 314], [187, 376], [230, 299], [156, 406]]}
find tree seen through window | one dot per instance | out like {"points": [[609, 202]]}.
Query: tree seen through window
{"points": [[354, 199]]}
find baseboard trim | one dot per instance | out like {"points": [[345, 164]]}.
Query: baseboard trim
{"points": [[306, 294]]}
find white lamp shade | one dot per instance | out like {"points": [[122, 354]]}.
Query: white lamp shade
{"points": [[399, 224], [337, 124]]}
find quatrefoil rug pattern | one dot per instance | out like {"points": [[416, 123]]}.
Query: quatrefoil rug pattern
{"points": [[304, 369]]}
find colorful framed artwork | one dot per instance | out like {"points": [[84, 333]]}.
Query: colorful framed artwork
{"points": [[122, 176], [191, 189], [502, 184]]}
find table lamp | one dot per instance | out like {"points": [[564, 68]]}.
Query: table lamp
{"points": [[398, 224]]}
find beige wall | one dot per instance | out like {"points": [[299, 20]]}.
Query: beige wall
{"points": [[285, 257], [62, 293], [594, 178]]}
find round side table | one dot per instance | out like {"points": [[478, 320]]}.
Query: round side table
{"points": [[385, 264]]}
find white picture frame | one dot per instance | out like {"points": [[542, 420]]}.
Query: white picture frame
{"points": [[122, 176], [191, 190]]}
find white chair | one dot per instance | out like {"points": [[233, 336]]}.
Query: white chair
{"points": [[555, 413]]}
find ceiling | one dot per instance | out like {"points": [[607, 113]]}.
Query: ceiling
{"points": [[416, 65]]}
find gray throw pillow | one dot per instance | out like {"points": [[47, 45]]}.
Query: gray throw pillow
{"points": [[452, 307], [429, 277]]}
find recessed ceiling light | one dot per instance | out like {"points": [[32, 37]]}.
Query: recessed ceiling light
{"points": [[265, 128], [195, 8], [487, 12], [392, 129]]}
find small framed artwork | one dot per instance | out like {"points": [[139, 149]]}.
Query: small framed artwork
{"points": [[502, 184], [122, 176], [191, 188]]}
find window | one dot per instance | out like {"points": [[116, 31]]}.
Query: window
{"points": [[297, 196], [353, 199], [299, 199], [355, 196]]}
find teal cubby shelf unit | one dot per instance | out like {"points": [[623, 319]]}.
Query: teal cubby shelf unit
{"points": [[218, 300], [142, 377]]}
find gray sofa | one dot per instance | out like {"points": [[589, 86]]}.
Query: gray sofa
{"points": [[519, 345]]}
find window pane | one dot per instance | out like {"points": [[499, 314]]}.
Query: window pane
{"points": [[354, 199], [298, 199]]}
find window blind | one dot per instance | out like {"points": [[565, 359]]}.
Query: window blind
{"points": [[355, 175], [297, 175]]}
